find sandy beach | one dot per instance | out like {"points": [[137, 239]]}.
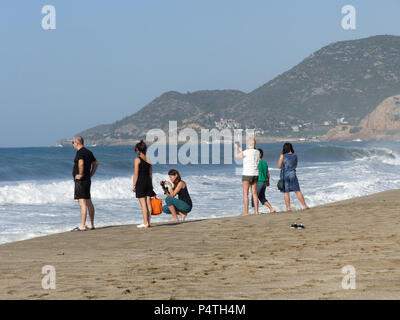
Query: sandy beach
{"points": [[255, 257]]}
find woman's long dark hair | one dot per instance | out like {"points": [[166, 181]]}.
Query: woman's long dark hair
{"points": [[174, 172], [287, 147], [141, 147]]}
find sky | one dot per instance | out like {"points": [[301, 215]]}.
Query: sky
{"points": [[107, 59]]}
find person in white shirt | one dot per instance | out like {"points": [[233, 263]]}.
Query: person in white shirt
{"points": [[250, 158]]}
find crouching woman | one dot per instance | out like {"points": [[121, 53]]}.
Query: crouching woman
{"points": [[181, 206]]}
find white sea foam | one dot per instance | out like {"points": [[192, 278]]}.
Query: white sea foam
{"points": [[40, 193], [36, 193]]}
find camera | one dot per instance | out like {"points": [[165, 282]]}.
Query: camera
{"points": [[162, 183]]}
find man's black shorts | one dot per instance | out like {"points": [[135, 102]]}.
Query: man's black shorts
{"points": [[82, 189]]}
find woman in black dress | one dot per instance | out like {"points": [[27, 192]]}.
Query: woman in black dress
{"points": [[142, 182]]}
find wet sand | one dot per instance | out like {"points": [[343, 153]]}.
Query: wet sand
{"points": [[254, 257]]}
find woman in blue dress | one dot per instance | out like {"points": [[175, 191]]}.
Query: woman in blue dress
{"points": [[288, 164]]}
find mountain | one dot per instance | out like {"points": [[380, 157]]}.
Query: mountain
{"points": [[340, 83], [383, 123], [191, 110], [345, 79]]}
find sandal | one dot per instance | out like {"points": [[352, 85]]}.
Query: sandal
{"points": [[77, 229]]}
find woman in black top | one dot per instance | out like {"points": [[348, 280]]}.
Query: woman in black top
{"points": [[183, 205], [142, 182]]}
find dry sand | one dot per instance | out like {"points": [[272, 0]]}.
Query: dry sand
{"points": [[255, 257]]}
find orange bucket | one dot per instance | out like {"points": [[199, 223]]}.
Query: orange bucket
{"points": [[156, 205]]}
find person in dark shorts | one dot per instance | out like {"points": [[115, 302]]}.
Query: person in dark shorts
{"points": [[183, 205], [85, 166], [263, 182], [288, 164], [250, 173], [142, 182]]}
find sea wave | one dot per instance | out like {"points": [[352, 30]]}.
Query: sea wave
{"points": [[119, 188], [339, 153]]}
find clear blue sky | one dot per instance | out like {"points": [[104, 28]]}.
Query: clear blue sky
{"points": [[108, 59]]}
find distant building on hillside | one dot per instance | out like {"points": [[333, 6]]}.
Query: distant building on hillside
{"points": [[227, 124], [341, 121]]}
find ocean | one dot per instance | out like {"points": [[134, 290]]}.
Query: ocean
{"points": [[36, 186]]}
